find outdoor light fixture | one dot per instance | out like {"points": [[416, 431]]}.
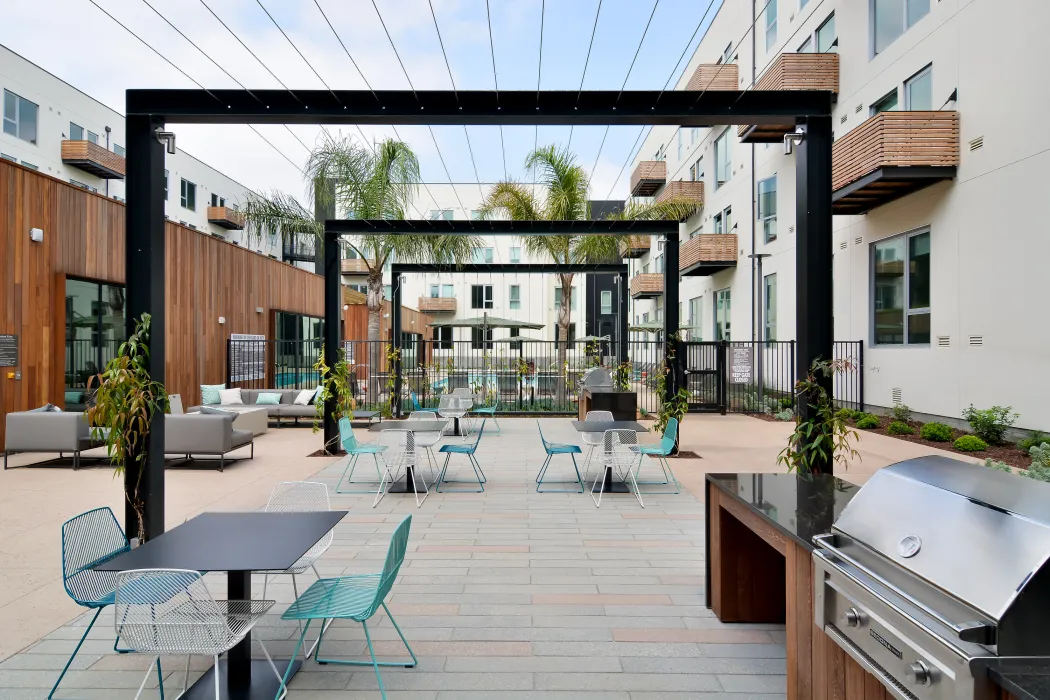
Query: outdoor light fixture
{"points": [[222, 320], [791, 139], [346, 307], [167, 138], [36, 235], [258, 309]]}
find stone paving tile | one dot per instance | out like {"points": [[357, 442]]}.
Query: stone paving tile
{"points": [[506, 594]]}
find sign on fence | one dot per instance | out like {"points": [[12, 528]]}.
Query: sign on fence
{"points": [[247, 357], [741, 363]]}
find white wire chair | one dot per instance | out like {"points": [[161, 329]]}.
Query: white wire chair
{"points": [[617, 458], [452, 406], [426, 441], [399, 457], [171, 611], [592, 440]]}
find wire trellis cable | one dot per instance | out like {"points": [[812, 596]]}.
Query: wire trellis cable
{"points": [[492, 53], [586, 62]]}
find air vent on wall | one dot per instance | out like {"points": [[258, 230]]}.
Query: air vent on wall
{"points": [[791, 228], [858, 108], [976, 340], [897, 396], [976, 143], [859, 240], [944, 341], [842, 119], [842, 246]]}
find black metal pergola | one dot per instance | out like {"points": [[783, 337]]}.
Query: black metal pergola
{"points": [[149, 111]]}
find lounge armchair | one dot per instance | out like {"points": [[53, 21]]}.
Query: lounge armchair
{"points": [[49, 431], [205, 435]]}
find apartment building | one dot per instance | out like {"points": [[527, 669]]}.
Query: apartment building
{"points": [[50, 126], [938, 159]]}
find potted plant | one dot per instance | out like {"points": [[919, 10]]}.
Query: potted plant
{"points": [[125, 403], [821, 436], [335, 383]]}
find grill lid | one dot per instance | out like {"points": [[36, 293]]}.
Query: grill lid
{"points": [[596, 377], [980, 535]]}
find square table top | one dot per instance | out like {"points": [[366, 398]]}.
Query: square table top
{"points": [[249, 541], [416, 426], [600, 426]]}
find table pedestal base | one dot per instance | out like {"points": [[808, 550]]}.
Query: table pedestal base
{"points": [[405, 485], [263, 684], [612, 485]]}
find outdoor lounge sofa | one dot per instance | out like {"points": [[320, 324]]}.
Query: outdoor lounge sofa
{"points": [[49, 431], [205, 435], [282, 411]]}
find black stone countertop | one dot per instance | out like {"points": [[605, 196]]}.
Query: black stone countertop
{"points": [[1025, 680], [798, 506], [603, 390]]}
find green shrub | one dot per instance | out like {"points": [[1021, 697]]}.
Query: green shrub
{"points": [[936, 432], [970, 443], [1034, 439], [997, 465], [785, 415], [898, 427], [901, 413], [787, 402], [866, 421], [844, 413], [990, 424], [1039, 469]]}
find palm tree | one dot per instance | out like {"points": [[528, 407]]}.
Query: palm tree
{"points": [[566, 184]]}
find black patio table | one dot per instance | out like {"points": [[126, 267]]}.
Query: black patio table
{"points": [[237, 543], [416, 426], [611, 485]]}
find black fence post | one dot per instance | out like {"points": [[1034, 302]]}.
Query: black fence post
{"points": [[395, 312], [229, 352], [860, 373], [720, 363], [333, 306]]}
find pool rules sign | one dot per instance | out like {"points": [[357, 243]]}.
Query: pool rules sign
{"points": [[247, 357], [741, 362]]}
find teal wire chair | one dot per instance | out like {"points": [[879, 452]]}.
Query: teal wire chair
{"points": [[356, 598], [355, 449], [417, 408], [467, 449], [552, 449], [88, 540], [659, 452], [490, 412]]}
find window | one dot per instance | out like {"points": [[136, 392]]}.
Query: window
{"points": [[443, 338], [76, 132], [92, 137], [94, 328], [645, 271], [901, 290], [679, 144], [891, 18], [447, 292], [482, 255], [727, 53], [81, 185], [807, 46], [717, 224], [120, 150], [515, 296], [481, 296], [727, 217], [722, 314], [767, 207], [694, 134], [826, 36], [696, 318], [572, 298], [802, 3], [571, 337], [515, 333], [515, 255], [723, 162], [659, 264], [435, 291], [770, 307], [217, 201], [188, 196], [697, 170], [888, 103], [918, 90], [475, 214], [165, 185], [476, 339], [388, 292], [771, 24], [445, 214], [606, 302], [20, 117]]}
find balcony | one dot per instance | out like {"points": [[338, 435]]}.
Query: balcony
{"points": [[227, 218], [648, 177], [792, 71], [647, 285], [635, 247], [714, 76], [892, 155], [437, 305], [353, 266], [94, 159], [299, 250], [683, 189], [707, 254]]}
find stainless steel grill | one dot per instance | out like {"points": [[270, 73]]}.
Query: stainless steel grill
{"points": [[596, 378], [936, 569]]}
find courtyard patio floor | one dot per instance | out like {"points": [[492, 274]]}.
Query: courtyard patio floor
{"points": [[503, 594]]}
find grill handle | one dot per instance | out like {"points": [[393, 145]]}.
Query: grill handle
{"points": [[975, 631]]}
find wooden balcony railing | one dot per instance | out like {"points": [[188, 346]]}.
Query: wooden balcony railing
{"points": [[891, 155], [355, 266], [437, 305], [707, 254], [94, 159], [792, 71], [636, 246], [683, 189], [714, 76], [226, 218], [648, 177], [647, 285]]}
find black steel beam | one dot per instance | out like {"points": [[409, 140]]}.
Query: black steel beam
{"points": [[671, 316], [144, 277], [516, 268], [486, 227], [525, 107], [395, 339], [333, 314]]}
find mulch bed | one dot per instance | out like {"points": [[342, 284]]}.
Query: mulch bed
{"points": [[322, 453], [685, 454]]}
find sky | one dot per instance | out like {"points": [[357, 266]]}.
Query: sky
{"points": [[76, 41]]}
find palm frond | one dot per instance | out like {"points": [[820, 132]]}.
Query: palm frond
{"points": [[279, 215]]}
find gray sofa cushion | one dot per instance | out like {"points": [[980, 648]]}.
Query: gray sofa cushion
{"points": [[240, 438], [199, 433], [298, 411], [46, 431]]}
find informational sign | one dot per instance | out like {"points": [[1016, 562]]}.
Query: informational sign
{"points": [[8, 350], [741, 363], [247, 357]]}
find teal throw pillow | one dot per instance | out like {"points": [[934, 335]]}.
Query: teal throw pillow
{"points": [[267, 398], [210, 393]]}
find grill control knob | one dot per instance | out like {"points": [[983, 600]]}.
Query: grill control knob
{"points": [[854, 617], [919, 673]]}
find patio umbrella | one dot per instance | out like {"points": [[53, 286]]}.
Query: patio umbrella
{"points": [[589, 338], [656, 327], [485, 321]]}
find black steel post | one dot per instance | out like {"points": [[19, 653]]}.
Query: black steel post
{"points": [[624, 317], [671, 321], [395, 314], [144, 277], [813, 255], [333, 309]]}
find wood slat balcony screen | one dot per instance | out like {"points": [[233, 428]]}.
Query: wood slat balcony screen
{"points": [[354, 266], [648, 177], [708, 253], [94, 159], [792, 71], [683, 189], [715, 76], [226, 217], [635, 247], [890, 155], [437, 305], [647, 285]]}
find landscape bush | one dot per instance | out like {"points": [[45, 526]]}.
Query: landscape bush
{"points": [[866, 421], [899, 427], [847, 414], [1035, 439], [936, 432], [785, 415], [990, 424], [901, 413], [1039, 469], [971, 443], [997, 465]]}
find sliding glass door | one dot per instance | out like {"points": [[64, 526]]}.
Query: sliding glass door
{"points": [[94, 331]]}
